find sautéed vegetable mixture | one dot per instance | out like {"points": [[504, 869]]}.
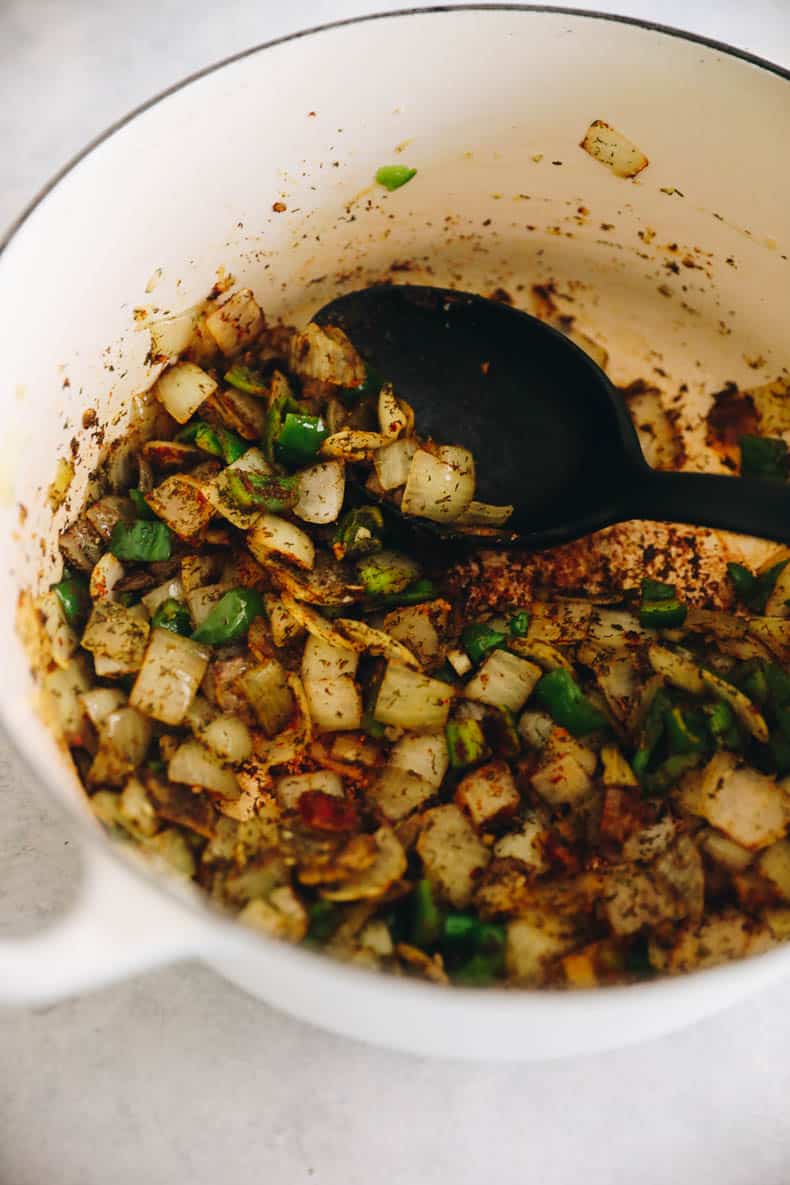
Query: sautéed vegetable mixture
{"points": [[268, 683]]}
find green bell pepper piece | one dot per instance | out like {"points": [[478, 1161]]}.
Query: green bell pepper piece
{"points": [[651, 732], [371, 385], [474, 950], [393, 176], [563, 699], [324, 917], [754, 591], [74, 597], [445, 674], [722, 725], [460, 930], [359, 532], [684, 734], [141, 541], [478, 639], [202, 435], [666, 775], [426, 924], [519, 624], [499, 729], [479, 971], [172, 615], [778, 683], [414, 594], [137, 498], [466, 743], [386, 574], [244, 378], [231, 617], [250, 490], [660, 607], [300, 438]]}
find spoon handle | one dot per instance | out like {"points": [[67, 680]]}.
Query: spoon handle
{"points": [[749, 506]]}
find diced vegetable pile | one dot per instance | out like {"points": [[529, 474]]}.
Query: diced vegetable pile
{"points": [[264, 686]]}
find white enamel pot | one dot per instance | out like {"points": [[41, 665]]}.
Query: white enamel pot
{"points": [[489, 105]]}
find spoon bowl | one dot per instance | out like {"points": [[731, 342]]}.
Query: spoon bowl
{"points": [[550, 434]]}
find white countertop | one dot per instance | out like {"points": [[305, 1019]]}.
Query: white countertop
{"points": [[179, 1079]]}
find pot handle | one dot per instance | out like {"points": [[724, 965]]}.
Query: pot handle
{"points": [[118, 925]]}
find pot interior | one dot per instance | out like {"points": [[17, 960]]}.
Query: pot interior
{"points": [[264, 170]]}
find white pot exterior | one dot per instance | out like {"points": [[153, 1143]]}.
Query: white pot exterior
{"points": [[482, 102]]}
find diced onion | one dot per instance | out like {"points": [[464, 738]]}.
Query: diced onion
{"points": [[199, 570], [325, 353], [290, 790], [423, 754], [272, 535], [105, 575], [315, 624], [397, 792], [169, 677], [440, 485], [284, 626], [408, 699], [124, 737], [62, 639], [386, 870], [321, 660], [376, 641], [392, 419], [170, 336], [393, 461], [67, 687], [239, 411], [334, 704], [109, 510], [236, 323], [171, 590], [182, 389], [266, 687], [487, 793], [194, 765], [201, 601], [503, 680], [321, 491], [101, 701], [355, 749], [352, 444], [484, 514], [117, 634], [229, 738], [172, 849], [452, 853], [535, 728], [460, 661], [180, 502], [416, 627], [136, 811]]}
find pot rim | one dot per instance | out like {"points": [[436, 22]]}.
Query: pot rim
{"points": [[225, 928]]}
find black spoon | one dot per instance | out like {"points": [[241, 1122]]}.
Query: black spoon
{"points": [[548, 431]]}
